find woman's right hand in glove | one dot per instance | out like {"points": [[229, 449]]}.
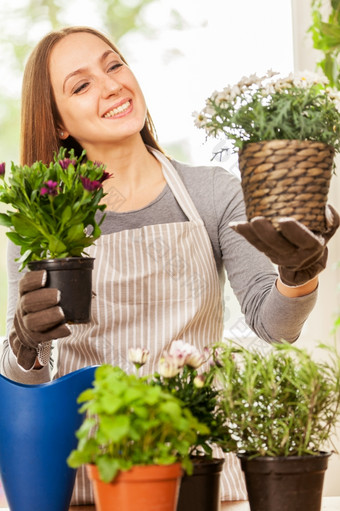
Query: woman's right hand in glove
{"points": [[38, 318]]}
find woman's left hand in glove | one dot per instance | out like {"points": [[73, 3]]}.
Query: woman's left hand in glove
{"points": [[299, 253]]}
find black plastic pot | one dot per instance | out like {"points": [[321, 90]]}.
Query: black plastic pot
{"points": [[73, 277], [201, 490], [292, 483]]}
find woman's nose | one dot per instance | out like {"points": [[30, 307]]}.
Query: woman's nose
{"points": [[110, 85]]}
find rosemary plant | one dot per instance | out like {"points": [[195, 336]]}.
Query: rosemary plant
{"points": [[283, 403]]}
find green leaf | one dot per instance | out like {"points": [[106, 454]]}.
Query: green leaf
{"points": [[110, 403], [333, 33], [172, 409], [96, 232], [66, 215], [56, 246], [86, 395], [75, 232], [25, 256], [5, 220], [335, 4], [140, 411], [23, 225], [76, 459], [86, 454], [86, 428], [116, 427], [15, 238], [108, 468], [330, 68]]}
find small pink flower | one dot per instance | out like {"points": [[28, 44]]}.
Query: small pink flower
{"points": [[199, 381], [138, 356], [2, 168], [167, 367], [179, 350], [195, 359], [186, 354]]}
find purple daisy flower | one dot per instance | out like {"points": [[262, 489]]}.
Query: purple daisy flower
{"points": [[105, 176], [90, 185], [66, 162], [50, 188]]}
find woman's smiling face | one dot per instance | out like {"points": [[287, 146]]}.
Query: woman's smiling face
{"points": [[97, 96]]}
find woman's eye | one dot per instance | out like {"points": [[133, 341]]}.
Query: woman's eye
{"points": [[80, 88], [115, 66]]}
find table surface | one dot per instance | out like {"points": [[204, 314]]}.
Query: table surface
{"points": [[328, 504], [230, 506]]}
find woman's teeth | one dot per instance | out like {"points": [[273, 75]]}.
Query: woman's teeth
{"points": [[117, 110]]}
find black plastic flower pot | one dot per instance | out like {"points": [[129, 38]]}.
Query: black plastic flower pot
{"points": [[73, 277], [201, 490], [292, 483]]}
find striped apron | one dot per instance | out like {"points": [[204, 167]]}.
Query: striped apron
{"points": [[150, 286]]}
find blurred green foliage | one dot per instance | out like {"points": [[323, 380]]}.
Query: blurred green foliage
{"points": [[3, 282], [326, 38]]}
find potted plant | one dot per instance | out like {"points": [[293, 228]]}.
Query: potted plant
{"points": [[179, 372], [135, 440], [287, 131], [281, 409], [53, 219]]}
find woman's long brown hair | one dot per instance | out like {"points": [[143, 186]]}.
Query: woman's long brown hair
{"points": [[39, 113]]}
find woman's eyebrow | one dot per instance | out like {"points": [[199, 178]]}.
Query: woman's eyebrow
{"points": [[82, 69]]}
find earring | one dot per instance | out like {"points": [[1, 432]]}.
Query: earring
{"points": [[61, 134]]}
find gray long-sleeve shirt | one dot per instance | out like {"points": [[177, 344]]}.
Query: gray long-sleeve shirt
{"points": [[218, 198]]}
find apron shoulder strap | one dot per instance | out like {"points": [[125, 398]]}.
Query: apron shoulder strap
{"points": [[178, 188]]}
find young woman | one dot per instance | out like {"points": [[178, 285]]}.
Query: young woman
{"points": [[160, 263]]}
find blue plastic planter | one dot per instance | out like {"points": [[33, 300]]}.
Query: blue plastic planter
{"points": [[37, 433]]}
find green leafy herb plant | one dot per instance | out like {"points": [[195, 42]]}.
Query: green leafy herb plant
{"points": [[296, 107], [132, 422], [53, 206], [281, 403]]}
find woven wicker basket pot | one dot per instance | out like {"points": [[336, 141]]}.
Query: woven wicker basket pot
{"points": [[282, 178]]}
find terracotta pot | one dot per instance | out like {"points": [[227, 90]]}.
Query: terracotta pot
{"points": [[73, 277], [287, 483], [143, 488], [201, 490]]}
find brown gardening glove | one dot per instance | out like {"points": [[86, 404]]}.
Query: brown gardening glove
{"points": [[38, 318], [299, 253]]}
